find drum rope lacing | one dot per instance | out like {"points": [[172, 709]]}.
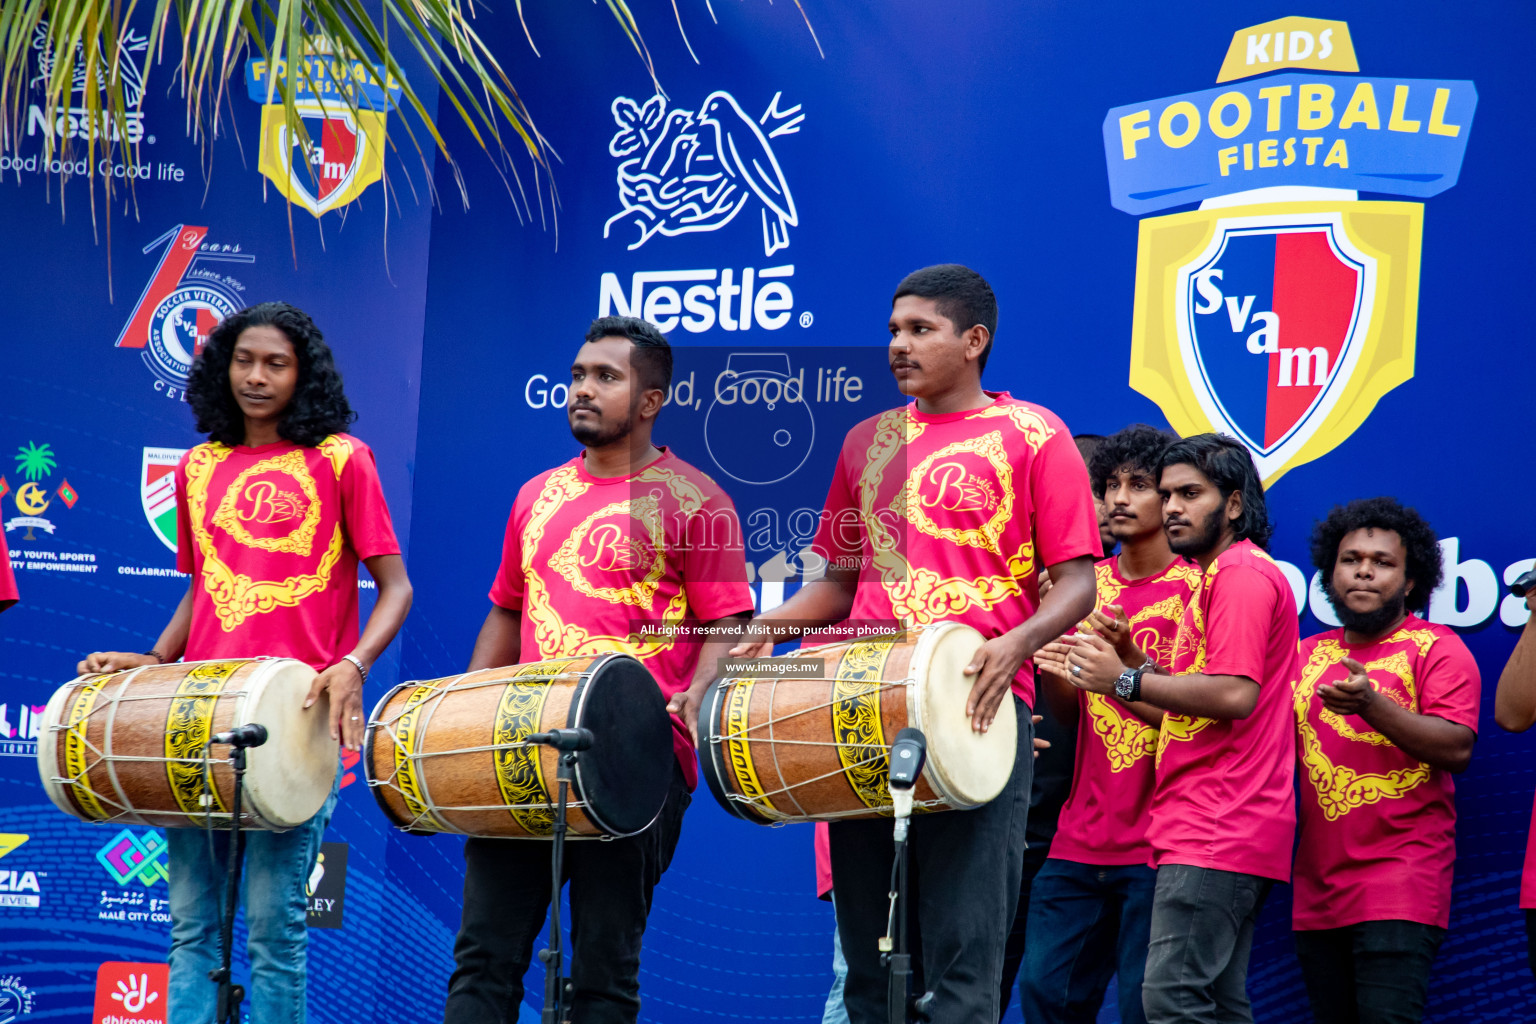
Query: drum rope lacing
{"points": [[429, 817], [125, 811], [759, 802]]}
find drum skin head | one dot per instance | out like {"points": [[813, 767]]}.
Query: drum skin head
{"points": [[626, 774], [290, 776], [967, 768]]}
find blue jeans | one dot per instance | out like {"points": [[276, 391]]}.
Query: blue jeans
{"points": [[1086, 923], [835, 1012], [277, 864]]}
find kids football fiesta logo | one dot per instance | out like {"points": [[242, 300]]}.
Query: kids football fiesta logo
{"points": [[343, 105], [1285, 307]]}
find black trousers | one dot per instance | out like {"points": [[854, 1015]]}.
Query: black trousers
{"points": [[1202, 933], [1375, 972], [963, 883], [506, 899]]}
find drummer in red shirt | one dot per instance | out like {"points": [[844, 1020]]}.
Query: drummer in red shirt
{"points": [[947, 509], [622, 535], [1223, 812], [273, 515], [1387, 712]]}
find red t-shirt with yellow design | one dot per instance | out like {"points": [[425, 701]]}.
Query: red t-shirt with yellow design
{"points": [[1225, 795], [1378, 828], [590, 561], [950, 517], [1104, 821], [272, 536]]}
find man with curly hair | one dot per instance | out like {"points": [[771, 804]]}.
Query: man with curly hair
{"points": [[1090, 909], [279, 494], [1223, 813], [1386, 711]]}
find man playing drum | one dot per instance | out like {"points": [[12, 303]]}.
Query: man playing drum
{"points": [[273, 514], [946, 509], [622, 537]]}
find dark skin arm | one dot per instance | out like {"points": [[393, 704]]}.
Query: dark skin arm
{"points": [[1514, 702], [1053, 664], [172, 641], [500, 641], [1426, 738], [342, 679], [1202, 696], [724, 635], [1069, 598], [819, 603]]}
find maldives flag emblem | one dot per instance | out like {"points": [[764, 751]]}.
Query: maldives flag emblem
{"points": [[1280, 324], [157, 491]]}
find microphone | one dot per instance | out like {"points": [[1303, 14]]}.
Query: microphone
{"points": [[563, 739], [908, 755], [251, 735]]}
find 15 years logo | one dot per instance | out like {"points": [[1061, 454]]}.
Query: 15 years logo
{"points": [[1283, 309]]}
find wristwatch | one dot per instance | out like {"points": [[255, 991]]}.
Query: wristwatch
{"points": [[1128, 686]]}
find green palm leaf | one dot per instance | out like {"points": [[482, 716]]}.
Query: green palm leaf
{"points": [[75, 51], [35, 461]]}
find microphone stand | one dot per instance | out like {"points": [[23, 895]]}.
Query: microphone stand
{"points": [[908, 755], [230, 994], [557, 987]]}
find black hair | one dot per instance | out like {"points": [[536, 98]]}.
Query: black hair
{"points": [[319, 406], [1138, 446], [1227, 465], [1424, 566], [961, 295], [652, 357]]}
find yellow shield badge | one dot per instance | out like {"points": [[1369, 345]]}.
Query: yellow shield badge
{"points": [[343, 153]]}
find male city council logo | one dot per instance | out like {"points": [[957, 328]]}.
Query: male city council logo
{"points": [[1285, 307], [685, 171], [157, 491], [187, 294], [34, 465], [343, 106], [133, 858]]}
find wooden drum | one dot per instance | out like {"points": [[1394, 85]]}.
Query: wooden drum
{"points": [[450, 755], [778, 749], [132, 746]]}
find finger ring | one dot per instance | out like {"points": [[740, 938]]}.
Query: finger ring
{"points": [[1077, 670], [354, 718]]}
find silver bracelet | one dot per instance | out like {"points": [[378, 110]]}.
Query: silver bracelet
{"points": [[361, 668]]}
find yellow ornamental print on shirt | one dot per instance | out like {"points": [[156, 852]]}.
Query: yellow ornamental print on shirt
{"points": [[554, 636], [954, 489], [249, 500], [1340, 788], [920, 595], [1126, 739], [1028, 422], [615, 550], [236, 596]]}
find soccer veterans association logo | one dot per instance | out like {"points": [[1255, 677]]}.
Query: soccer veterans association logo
{"points": [[186, 297], [343, 106], [1284, 308]]}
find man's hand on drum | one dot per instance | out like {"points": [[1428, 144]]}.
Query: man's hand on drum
{"points": [[113, 661], [344, 682], [994, 666], [1111, 624]]}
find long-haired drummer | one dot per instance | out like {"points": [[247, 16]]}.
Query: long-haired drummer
{"points": [[273, 515], [623, 535], [946, 509]]}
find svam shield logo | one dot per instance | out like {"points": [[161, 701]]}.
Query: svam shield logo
{"points": [[1280, 324], [342, 156]]}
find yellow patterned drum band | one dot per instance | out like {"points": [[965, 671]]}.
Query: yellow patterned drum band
{"points": [[739, 749], [407, 739], [519, 775], [856, 724], [188, 727], [75, 749]]}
